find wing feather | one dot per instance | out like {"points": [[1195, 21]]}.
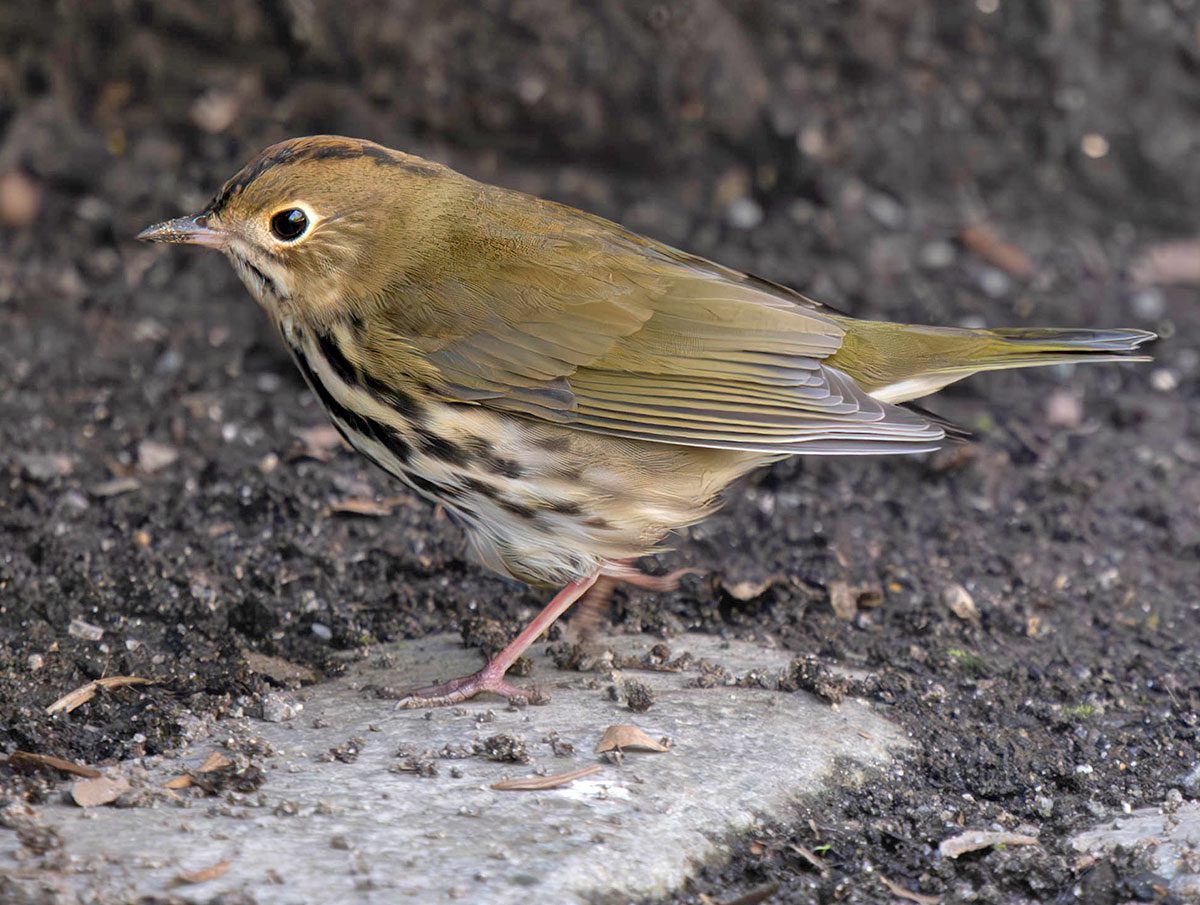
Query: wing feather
{"points": [[649, 343]]}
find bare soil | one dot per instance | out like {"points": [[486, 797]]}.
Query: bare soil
{"points": [[155, 486]]}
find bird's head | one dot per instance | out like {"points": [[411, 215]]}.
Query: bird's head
{"points": [[314, 225]]}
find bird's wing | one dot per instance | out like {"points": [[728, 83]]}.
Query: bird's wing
{"points": [[644, 342]]}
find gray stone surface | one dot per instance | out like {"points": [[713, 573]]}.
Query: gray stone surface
{"points": [[324, 828], [1169, 835]]}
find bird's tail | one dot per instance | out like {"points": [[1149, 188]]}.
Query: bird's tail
{"points": [[899, 362]]}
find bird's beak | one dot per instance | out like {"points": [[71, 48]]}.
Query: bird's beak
{"points": [[184, 231]]}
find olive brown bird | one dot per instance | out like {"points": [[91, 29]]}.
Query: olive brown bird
{"points": [[569, 391]]}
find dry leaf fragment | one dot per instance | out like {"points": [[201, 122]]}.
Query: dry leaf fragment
{"points": [[628, 738], [88, 793], [115, 487], [54, 763], [751, 589], [901, 892], [539, 783], [844, 600], [153, 456], [1176, 262], [320, 442], [215, 761], [84, 693], [974, 840], [205, 874], [81, 628], [821, 865], [369, 506], [960, 602], [987, 243]]}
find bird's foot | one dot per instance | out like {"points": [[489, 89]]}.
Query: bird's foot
{"points": [[630, 574], [455, 691]]}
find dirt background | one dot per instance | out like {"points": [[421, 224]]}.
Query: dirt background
{"points": [[154, 484]]}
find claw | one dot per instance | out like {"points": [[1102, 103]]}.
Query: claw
{"points": [[466, 687]]}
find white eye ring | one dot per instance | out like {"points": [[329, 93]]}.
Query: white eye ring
{"points": [[292, 222]]}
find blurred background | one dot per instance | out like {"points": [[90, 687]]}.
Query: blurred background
{"points": [[173, 498]]}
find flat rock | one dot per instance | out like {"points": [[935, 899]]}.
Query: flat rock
{"points": [[335, 821], [1170, 837]]}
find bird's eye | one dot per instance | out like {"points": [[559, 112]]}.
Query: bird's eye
{"points": [[289, 225]]}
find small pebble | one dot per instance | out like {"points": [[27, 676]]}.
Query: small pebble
{"points": [[1149, 303], [1064, 409], [936, 255], [153, 456], [85, 630], [960, 602], [744, 213], [994, 283], [1164, 380], [20, 199], [322, 631], [279, 708], [886, 210]]}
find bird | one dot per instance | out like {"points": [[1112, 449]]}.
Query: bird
{"points": [[570, 392]]}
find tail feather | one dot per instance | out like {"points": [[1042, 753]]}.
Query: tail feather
{"points": [[1070, 339], [900, 362]]}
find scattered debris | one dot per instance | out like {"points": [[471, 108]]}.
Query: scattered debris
{"points": [[629, 738], [115, 487], [844, 600], [750, 589], [84, 693], [85, 630], [821, 865], [1169, 263], [638, 696], [503, 747], [960, 602], [89, 793], [321, 442], [54, 763], [153, 456], [811, 675], [45, 467], [369, 506], [205, 874], [279, 708], [901, 892], [278, 670], [984, 241], [1064, 408], [558, 746], [422, 763], [212, 763], [347, 752], [974, 840], [537, 783], [20, 199]]}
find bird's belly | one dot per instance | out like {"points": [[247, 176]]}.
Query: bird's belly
{"points": [[540, 502]]}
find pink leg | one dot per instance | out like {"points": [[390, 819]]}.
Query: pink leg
{"points": [[491, 677]]}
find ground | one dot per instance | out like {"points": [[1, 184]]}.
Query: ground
{"points": [[994, 163]]}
